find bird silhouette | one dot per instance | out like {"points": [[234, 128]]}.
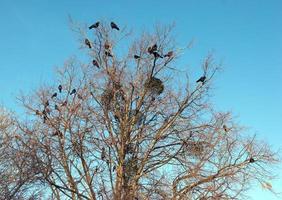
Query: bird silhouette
{"points": [[252, 160], [136, 57], [114, 26], [95, 63], [169, 54], [60, 87], [154, 48], [87, 43], [73, 92], [114, 168], [95, 25], [54, 95], [225, 128], [202, 79], [103, 154], [157, 55], [107, 53]]}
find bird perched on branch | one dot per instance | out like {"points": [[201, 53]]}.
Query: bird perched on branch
{"points": [[95, 63], [95, 25], [252, 160], [107, 53], [73, 92], [54, 95], [225, 128], [152, 49], [87, 43], [169, 54], [136, 57], [202, 79], [60, 87], [157, 55], [114, 26], [103, 154]]}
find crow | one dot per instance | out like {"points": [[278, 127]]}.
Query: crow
{"points": [[154, 48], [103, 154], [114, 26], [225, 128], [54, 95], [252, 160], [73, 92], [95, 25], [169, 54], [87, 43], [107, 53], [95, 63], [136, 57], [60, 87], [157, 55], [202, 79]]}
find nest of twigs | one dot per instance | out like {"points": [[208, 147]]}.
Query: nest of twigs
{"points": [[154, 85], [197, 148], [107, 98]]}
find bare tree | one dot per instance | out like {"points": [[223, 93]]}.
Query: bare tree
{"points": [[129, 125]]}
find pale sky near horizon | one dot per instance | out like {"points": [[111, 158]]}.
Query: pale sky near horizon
{"points": [[246, 35]]}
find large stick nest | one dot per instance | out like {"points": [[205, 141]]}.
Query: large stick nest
{"points": [[154, 85]]}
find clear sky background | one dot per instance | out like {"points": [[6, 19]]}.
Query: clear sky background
{"points": [[245, 34]]}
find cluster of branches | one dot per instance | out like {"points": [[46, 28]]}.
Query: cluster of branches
{"points": [[123, 127]]}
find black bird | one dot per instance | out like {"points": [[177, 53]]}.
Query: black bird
{"points": [[202, 79], [107, 53], [96, 25], [57, 107], [103, 154], [169, 54], [60, 87], [87, 43], [136, 57], [157, 55], [73, 92], [225, 128], [54, 95], [252, 160], [114, 26], [95, 63], [114, 168]]}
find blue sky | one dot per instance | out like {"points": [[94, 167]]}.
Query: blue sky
{"points": [[245, 35]]}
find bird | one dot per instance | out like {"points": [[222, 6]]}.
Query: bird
{"points": [[154, 48], [95, 63], [107, 45], [103, 154], [54, 95], [252, 160], [136, 57], [95, 25], [169, 54], [57, 107], [114, 26], [73, 91], [114, 168], [202, 79], [60, 87], [107, 53], [225, 128], [157, 55], [87, 43]]}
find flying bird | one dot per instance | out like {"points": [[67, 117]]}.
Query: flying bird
{"points": [[114, 26], [202, 79], [95, 25], [95, 63], [87, 43], [136, 57], [54, 95], [73, 92], [60, 87], [169, 54]]}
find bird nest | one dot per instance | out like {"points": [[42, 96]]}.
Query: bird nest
{"points": [[154, 85], [107, 98], [197, 148]]}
